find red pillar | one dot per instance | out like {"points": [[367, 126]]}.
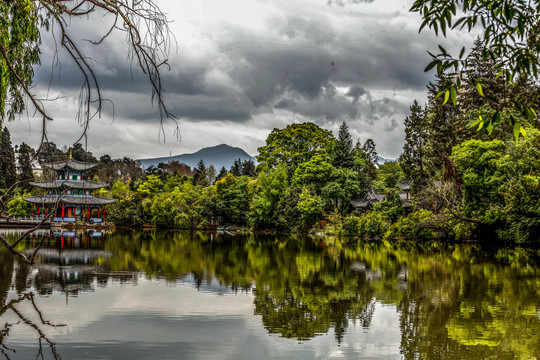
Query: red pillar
{"points": [[33, 208], [104, 215], [88, 214], [38, 212], [62, 212], [99, 212]]}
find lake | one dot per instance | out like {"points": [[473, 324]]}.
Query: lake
{"points": [[199, 295]]}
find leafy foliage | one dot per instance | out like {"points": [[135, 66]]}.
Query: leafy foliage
{"points": [[294, 145], [8, 174], [342, 152], [510, 41], [19, 52]]}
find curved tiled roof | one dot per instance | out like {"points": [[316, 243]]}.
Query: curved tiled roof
{"points": [[72, 164], [74, 184], [68, 200], [84, 184]]}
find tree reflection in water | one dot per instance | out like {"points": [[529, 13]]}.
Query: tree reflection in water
{"points": [[453, 301]]}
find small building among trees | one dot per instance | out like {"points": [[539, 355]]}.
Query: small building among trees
{"points": [[373, 197]]}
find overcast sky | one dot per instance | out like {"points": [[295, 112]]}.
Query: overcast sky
{"points": [[240, 68]]}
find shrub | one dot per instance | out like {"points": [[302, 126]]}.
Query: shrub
{"points": [[181, 221], [413, 227], [371, 225]]}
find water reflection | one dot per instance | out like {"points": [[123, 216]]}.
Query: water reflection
{"points": [[15, 317], [451, 301]]}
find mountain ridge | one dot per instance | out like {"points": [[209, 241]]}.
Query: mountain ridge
{"points": [[221, 155]]}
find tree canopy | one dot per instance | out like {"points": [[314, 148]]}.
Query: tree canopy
{"points": [[293, 145]]}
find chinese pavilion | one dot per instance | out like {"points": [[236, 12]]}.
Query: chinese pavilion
{"points": [[70, 194]]}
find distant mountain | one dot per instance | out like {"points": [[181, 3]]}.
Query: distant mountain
{"points": [[220, 155], [382, 160]]}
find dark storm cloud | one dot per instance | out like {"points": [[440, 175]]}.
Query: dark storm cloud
{"points": [[355, 92], [297, 65], [268, 67], [321, 109], [116, 73]]}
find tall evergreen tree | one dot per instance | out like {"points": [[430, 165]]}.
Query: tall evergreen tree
{"points": [[211, 174], [8, 173], [200, 174], [342, 154], [248, 168], [236, 168], [79, 153], [370, 153], [222, 173], [484, 72], [25, 174], [412, 157], [442, 125], [50, 153]]}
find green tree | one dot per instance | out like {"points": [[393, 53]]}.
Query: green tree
{"points": [[164, 211], [201, 174], [310, 208], [412, 158], [8, 174], [369, 153], [248, 168], [391, 207], [499, 187], [344, 185], [442, 126], [25, 167], [389, 175], [484, 71], [50, 153], [19, 207], [150, 187], [269, 189], [211, 174], [292, 146], [222, 173], [19, 53], [233, 198], [236, 168], [316, 171], [79, 153], [342, 152]]}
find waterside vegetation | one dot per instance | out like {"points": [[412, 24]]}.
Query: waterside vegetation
{"points": [[466, 181]]}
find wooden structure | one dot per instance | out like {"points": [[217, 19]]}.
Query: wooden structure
{"points": [[70, 195], [373, 197]]}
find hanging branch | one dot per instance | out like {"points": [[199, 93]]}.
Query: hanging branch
{"points": [[42, 336], [148, 38]]}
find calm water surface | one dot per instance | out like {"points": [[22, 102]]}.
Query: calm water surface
{"points": [[181, 295]]}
